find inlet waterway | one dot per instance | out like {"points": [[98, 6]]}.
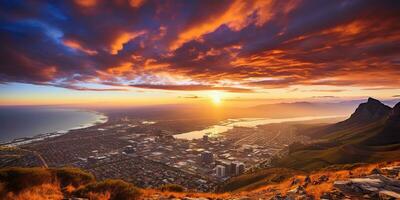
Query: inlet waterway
{"points": [[226, 125]]}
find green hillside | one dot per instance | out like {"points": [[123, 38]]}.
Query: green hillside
{"points": [[354, 140]]}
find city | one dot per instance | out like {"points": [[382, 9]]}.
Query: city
{"points": [[143, 153]]}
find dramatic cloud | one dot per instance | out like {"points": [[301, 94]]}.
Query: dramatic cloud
{"points": [[233, 46], [192, 88]]}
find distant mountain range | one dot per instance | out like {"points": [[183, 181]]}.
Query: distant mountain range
{"points": [[304, 108], [370, 134]]}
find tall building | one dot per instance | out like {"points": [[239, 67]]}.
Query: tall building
{"points": [[227, 166], [240, 168], [205, 138], [234, 168], [207, 157], [220, 171]]}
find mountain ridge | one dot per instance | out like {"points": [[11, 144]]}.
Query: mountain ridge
{"points": [[369, 111], [366, 113], [370, 134]]}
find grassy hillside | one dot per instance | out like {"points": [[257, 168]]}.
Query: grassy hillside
{"points": [[349, 144], [250, 181]]}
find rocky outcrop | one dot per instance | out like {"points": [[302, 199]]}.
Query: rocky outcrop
{"points": [[375, 186], [370, 111], [366, 113]]}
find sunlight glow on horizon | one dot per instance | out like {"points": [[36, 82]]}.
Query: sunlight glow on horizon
{"points": [[216, 99], [28, 94]]}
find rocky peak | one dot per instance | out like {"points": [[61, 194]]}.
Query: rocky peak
{"points": [[370, 111], [372, 100]]}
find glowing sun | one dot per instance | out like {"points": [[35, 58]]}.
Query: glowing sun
{"points": [[216, 98]]}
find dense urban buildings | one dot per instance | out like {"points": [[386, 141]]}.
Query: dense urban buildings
{"points": [[147, 154]]}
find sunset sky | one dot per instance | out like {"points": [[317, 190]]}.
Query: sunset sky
{"points": [[160, 52]]}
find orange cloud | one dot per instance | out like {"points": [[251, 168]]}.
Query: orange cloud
{"points": [[211, 52], [136, 3], [122, 39], [78, 46], [192, 88], [257, 44], [86, 3], [152, 64], [235, 17], [120, 70], [49, 72]]}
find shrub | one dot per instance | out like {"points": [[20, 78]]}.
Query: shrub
{"points": [[73, 176], [118, 190], [172, 188], [17, 179]]}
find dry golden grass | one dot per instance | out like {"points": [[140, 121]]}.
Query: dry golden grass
{"points": [[99, 196], [153, 192], [42, 192], [268, 190], [318, 189]]}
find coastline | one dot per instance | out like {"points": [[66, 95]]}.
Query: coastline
{"points": [[225, 125], [101, 119]]}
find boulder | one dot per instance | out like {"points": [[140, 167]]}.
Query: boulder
{"points": [[389, 183], [320, 180], [343, 185], [388, 195], [307, 179], [295, 181], [297, 190], [366, 196], [376, 186], [368, 181], [394, 171], [376, 171], [331, 195]]}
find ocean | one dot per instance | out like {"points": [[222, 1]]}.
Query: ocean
{"points": [[21, 122]]}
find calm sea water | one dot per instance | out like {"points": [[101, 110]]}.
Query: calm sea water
{"points": [[224, 126], [19, 122]]}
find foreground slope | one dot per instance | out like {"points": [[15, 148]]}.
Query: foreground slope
{"points": [[356, 181]]}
